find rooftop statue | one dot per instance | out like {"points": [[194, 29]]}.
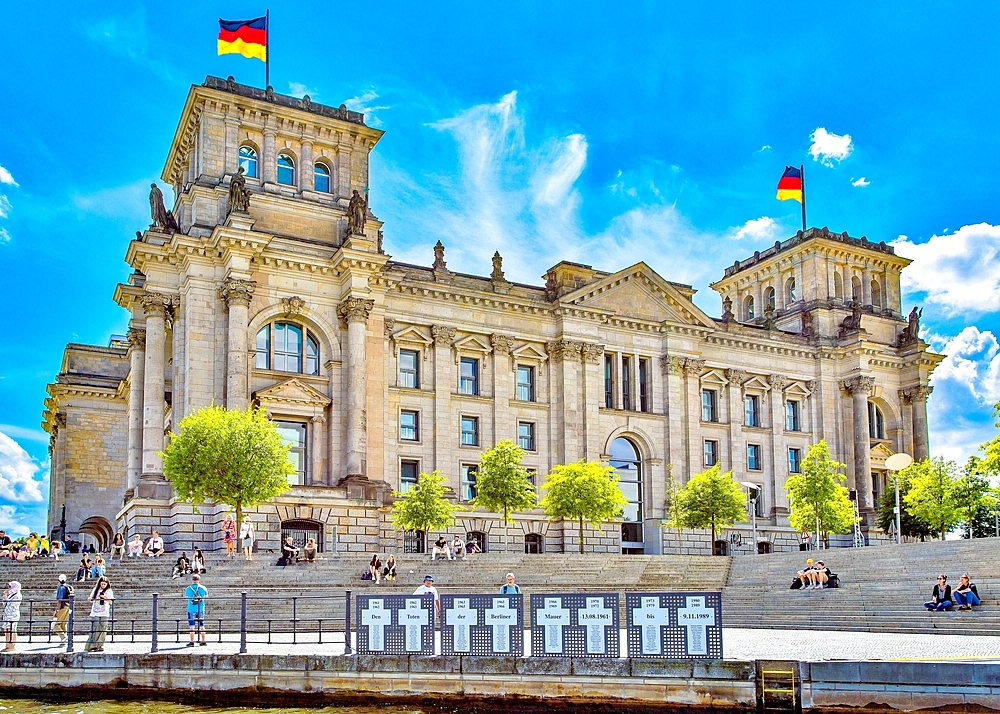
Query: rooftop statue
{"points": [[239, 196], [162, 218], [357, 211]]}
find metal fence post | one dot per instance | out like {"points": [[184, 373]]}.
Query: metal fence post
{"points": [[156, 598], [243, 622], [347, 625], [69, 624]]}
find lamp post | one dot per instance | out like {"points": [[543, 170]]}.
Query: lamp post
{"points": [[752, 493], [898, 462]]}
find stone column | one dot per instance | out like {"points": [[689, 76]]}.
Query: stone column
{"points": [[232, 146], [237, 294], [445, 442], [502, 427], [672, 369], [633, 377], [860, 388], [155, 306], [269, 157], [921, 449], [734, 416], [355, 311], [694, 447], [306, 166], [566, 364], [316, 450], [866, 286], [137, 359], [774, 490], [593, 397]]}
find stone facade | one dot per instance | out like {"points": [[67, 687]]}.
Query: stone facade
{"points": [[378, 370]]}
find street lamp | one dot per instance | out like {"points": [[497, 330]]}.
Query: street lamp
{"points": [[898, 462], [752, 493]]}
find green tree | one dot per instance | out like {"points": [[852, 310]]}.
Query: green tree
{"points": [[819, 492], [503, 485], [909, 525], [711, 499], [989, 465], [672, 503], [424, 507], [231, 456], [971, 497], [932, 494], [584, 491]]}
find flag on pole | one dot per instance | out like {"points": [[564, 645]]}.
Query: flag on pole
{"points": [[244, 37], [790, 185]]}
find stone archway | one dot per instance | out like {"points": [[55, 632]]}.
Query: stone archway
{"points": [[100, 529]]}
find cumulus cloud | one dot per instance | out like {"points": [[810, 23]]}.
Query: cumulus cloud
{"points": [[364, 103], [861, 182], [973, 361], [828, 147], [10, 521], [4, 236], [18, 482], [957, 271], [297, 89], [127, 201], [4, 206], [6, 178], [761, 229]]}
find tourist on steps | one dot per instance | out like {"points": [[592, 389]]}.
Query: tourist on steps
{"points": [[118, 547], [181, 567], [229, 531], [389, 571], [247, 535], [101, 596], [289, 553], [807, 576], [428, 588], [11, 613], [83, 572], [441, 547], [375, 568], [198, 561], [154, 546], [61, 615], [510, 587], [458, 548], [99, 568], [309, 551], [940, 595], [196, 594], [966, 594], [135, 547]]}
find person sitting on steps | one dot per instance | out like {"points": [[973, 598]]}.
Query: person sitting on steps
{"points": [[389, 571], [966, 594], [181, 567], [309, 552], [808, 575], [375, 568], [289, 553], [940, 595], [441, 548], [458, 547]]}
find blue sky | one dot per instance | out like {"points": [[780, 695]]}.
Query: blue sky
{"points": [[591, 132]]}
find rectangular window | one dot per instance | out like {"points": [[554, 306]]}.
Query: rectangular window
{"points": [[609, 382], [709, 405], [469, 376], [469, 472], [626, 383], [470, 431], [753, 457], [409, 428], [644, 385], [792, 416], [525, 383], [752, 404], [711, 453], [794, 461], [409, 472], [526, 435], [294, 434], [409, 369], [262, 359]]}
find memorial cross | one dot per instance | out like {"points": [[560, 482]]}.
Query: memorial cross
{"points": [[696, 618], [596, 617], [554, 618], [413, 617], [461, 617], [651, 617], [376, 618], [501, 617]]}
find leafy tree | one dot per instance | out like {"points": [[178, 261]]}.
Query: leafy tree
{"points": [[932, 494], [584, 491], [819, 491], [970, 493], [711, 499], [908, 524], [424, 507], [672, 503], [503, 485], [231, 456], [989, 465]]}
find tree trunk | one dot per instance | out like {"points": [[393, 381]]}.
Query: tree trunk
{"points": [[581, 535], [713, 536], [239, 517], [506, 533]]}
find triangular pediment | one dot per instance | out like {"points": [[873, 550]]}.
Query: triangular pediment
{"points": [[473, 343], [530, 351], [714, 376], [881, 451], [412, 336], [797, 389], [757, 384], [292, 391], [639, 293]]}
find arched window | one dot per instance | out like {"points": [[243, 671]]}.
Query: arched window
{"points": [[789, 291], [769, 298], [625, 460], [281, 347], [855, 288], [876, 422], [748, 308], [533, 543], [876, 294], [321, 178], [286, 170], [248, 160], [838, 286]]}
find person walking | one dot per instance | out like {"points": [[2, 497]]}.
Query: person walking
{"points": [[247, 535], [229, 535], [11, 613], [61, 616], [510, 587], [101, 596], [196, 594]]}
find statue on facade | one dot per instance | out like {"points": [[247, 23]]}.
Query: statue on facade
{"points": [[727, 311], [162, 218], [852, 323], [769, 318], [239, 196], [912, 329], [357, 211], [497, 274], [807, 324], [439, 263]]}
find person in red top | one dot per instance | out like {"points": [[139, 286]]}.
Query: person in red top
{"points": [[229, 529]]}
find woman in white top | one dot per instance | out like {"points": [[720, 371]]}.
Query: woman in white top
{"points": [[248, 535], [11, 613], [101, 596]]}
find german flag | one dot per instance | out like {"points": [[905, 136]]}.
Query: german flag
{"points": [[790, 185], [244, 37]]}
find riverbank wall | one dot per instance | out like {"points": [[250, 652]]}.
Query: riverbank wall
{"points": [[524, 684]]}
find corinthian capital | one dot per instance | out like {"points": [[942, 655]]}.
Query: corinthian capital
{"points": [[859, 385], [777, 381], [155, 304], [237, 292], [671, 365], [136, 338], [922, 392], [502, 344], [591, 352], [693, 366], [355, 309], [736, 376], [563, 349], [442, 334]]}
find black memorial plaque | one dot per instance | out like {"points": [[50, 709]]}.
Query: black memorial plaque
{"points": [[575, 625], [674, 625], [395, 624], [482, 625]]}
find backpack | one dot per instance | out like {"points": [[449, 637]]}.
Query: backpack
{"points": [[796, 584], [366, 576]]}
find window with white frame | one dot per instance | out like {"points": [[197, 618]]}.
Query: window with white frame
{"points": [[525, 383], [526, 435], [753, 457], [409, 426], [711, 453], [294, 434], [409, 369], [409, 473], [468, 376], [751, 404], [286, 170], [795, 461], [287, 347], [709, 405], [470, 431], [248, 161], [792, 422], [321, 178], [469, 472]]}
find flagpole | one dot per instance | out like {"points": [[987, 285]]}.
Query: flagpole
{"points": [[267, 57], [802, 174]]}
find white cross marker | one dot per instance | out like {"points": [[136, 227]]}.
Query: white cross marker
{"points": [[461, 618], [696, 618], [414, 618], [554, 618], [376, 618], [596, 617], [502, 617], [651, 617]]}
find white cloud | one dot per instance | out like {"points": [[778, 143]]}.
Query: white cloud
{"points": [[973, 361], [17, 473], [364, 103], [765, 147], [957, 271], [4, 236], [5, 177], [762, 230], [127, 201], [828, 147], [10, 521], [297, 89], [19, 432], [4, 206], [861, 182]]}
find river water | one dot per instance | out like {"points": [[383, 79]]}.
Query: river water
{"points": [[32, 706]]}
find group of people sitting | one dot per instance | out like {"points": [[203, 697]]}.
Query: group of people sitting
{"points": [[34, 546], [153, 548], [815, 576], [457, 548], [292, 554], [944, 597], [378, 570], [185, 565]]}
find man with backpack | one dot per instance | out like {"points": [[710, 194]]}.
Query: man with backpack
{"points": [[61, 616], [196, 594]]}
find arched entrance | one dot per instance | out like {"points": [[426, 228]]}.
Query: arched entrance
{"points": [[301, 530], [533, 543], [99, 529], [625, 460]]}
